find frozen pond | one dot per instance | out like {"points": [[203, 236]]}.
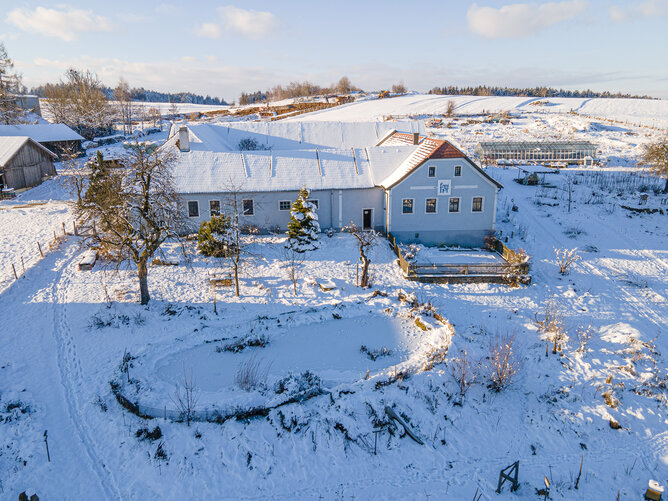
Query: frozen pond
{"points": [[330, 349]]}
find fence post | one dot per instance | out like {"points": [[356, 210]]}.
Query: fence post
{"points": [[64, 232], [39, 247], [14, 270]]}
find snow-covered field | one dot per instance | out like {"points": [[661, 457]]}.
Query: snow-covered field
{"points": [[646, 112], [65, 333]]}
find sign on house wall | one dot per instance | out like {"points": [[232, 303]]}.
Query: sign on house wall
{"points": [[443, 187]]}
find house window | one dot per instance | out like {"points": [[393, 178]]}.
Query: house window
{"points": [[248, 209], [430, 206], [458, 170], [193, 208], [407, 206], [432, 171], [284, 205], [214, 207], [315, 202], [454, 205], [476, 206]]}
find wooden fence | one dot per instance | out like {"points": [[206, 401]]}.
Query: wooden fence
{"points": [[512, 270]]}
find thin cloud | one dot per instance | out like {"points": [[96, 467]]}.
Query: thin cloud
{"points": [[209, 30], [521, 20], [63, 24], [251, 24], [649, 8]]}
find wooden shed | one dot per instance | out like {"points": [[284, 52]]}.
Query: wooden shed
{"points": [[23, 162]]}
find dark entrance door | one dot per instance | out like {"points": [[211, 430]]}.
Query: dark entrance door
{"points": [[366, 218]]}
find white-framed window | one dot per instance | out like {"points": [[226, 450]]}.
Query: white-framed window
{"points": [[430, 206], [214, 207], [284, 205], [407, 206], [193, 208], [315, 202], [431, 171], [248, 208], [458, 170], [454, 204], [476, 204]]}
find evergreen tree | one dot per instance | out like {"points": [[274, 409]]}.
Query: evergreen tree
{"points": [[214, 237], [10, 86], [303, 227]]}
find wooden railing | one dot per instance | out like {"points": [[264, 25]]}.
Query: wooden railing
{"points": [[496, 272]]}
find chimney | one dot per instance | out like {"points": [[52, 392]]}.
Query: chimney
{"points": [[416, 138], [184, 138]]}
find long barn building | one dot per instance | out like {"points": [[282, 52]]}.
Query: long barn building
{"points": [[23, 163]]}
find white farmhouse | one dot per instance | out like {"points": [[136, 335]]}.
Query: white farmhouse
{"points": [[417, 188]]}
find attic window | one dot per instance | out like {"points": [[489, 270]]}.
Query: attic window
{"points": [[432, 171], [458, 170]]}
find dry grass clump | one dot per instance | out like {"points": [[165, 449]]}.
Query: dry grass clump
{"points": [[502, 363]]}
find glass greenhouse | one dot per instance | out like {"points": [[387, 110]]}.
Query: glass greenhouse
{"points": [[581, 152]]}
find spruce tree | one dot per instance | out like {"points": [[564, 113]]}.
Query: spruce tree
{"points": [[10, 86], [214, 237], [303, 227]]}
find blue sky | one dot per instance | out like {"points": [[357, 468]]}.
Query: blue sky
{"points": [[220, 48]]}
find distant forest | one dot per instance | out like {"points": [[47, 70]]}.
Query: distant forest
{"points": [[483, 90], [152, 96]]}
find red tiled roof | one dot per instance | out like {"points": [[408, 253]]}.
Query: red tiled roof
{"points": [[446, 150]]}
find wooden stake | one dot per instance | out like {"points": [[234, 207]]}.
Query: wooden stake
{"points": [[14, 270], [23, 265], [48, 456], [39, 247], [64, 232]]}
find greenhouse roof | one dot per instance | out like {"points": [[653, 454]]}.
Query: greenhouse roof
{"points": [[536, 145]]}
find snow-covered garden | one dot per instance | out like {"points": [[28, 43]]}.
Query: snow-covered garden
{"points": [[281, 392]]}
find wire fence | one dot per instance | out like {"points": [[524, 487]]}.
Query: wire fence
{"points": [[16, 267]]}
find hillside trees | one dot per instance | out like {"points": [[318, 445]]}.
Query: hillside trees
{"points": [[80, 103], [124, 104], [656, 157], [133, 210], [10, 86]]}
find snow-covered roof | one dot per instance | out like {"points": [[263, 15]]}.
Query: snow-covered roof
{"points": [[9, 146], [200, 171], [42, 133], [281, 135]]}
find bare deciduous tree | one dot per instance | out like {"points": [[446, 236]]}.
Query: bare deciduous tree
{"points": [[186, 397], [124, 101], [79, 102], [134, 209], [566, 258], [75, 179], [502, 364], [399, 88], [450, 110], [366, 239], [293, 262], [656, 157]]}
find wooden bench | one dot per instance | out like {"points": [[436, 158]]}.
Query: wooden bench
{"points": [[88, 260], [222, 279]]}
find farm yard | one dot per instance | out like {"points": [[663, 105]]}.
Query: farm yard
{"points": [[282, 391]]}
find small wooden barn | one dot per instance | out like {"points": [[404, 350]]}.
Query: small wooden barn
{"points": [[23, 162], [57, 138]]}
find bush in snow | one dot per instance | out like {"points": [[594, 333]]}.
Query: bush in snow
{"points": [[463, 372], [303, 227], [566, 258], [213, 238], [300, 386], [502, 364], [258, 340], [552, 324], [374, 355], [251, 374]]}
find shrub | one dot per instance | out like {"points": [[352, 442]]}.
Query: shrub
{"points": [[299, 385], [374, 355], [251, 375], [566, 258], [502, 364], [145, 434], [462, 371], [552, 325], [252, 340], [213, 238]]}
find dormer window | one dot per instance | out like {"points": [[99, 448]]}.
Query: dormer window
{"points": [[431, 172]]}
